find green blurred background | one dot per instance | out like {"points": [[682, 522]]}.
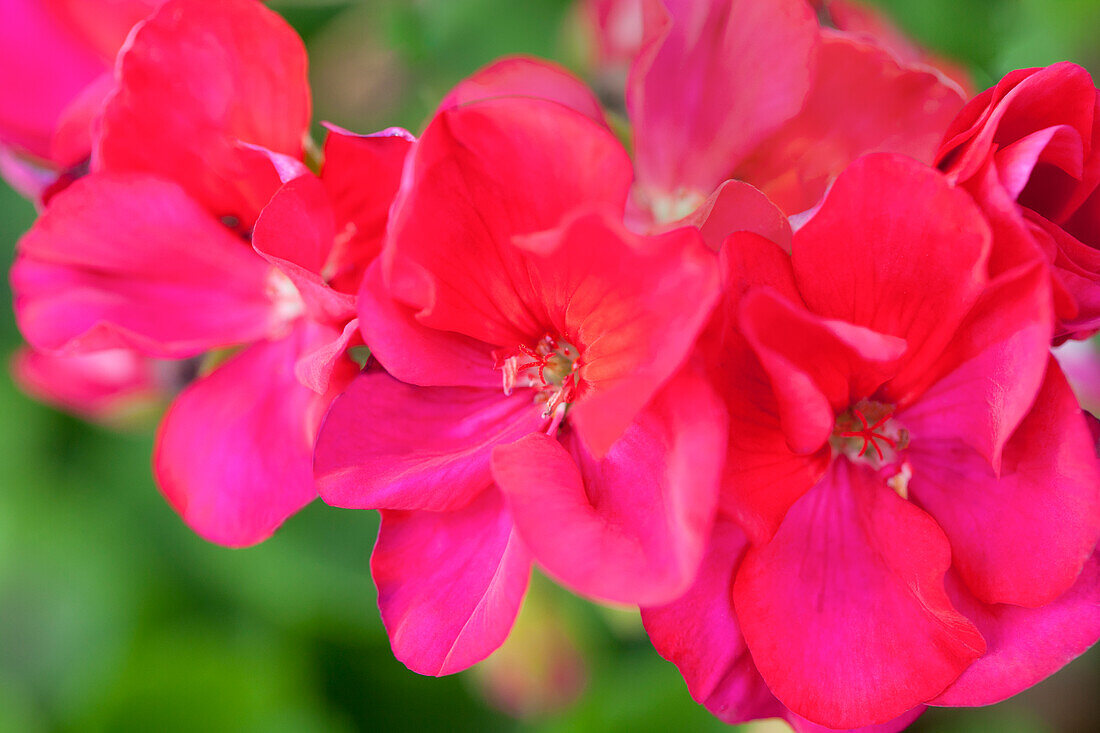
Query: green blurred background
{"points": [[114, 617]]}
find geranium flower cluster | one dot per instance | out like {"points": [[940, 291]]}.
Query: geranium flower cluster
{"points": [[781, 376]]}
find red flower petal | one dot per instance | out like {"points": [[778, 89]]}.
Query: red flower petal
{"points": [[361, 176], [698, 632], [915, 276], [844, 610], [633, 305], [196, 80], [481, 175], [817, 366]]}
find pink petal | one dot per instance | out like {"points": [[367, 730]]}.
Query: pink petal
{"points": [[391, 445], [862, 101], [104, 24], [44, 65], [234, 451], [71, 145], [253, 89], [735, 206], [295, 233], [327, 364], [709, 86], [1020, 537], [851, 588], [698, 632], [1026, 645], [872, 246], [297, 226], [750, 260], [105, 385], [632, 305], [524, 76], [618, 27], [630, 527], [1076, 275], [449, 583], [480, 175], [414, 353], [1014, 241], [990, 373], [763, 476], [1058, 145], [132, 261], [801, 725], [361, 176]]}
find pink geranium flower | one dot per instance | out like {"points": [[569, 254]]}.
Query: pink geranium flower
{"points": [[1028, 150], [911, 496], [538, 402], [199, 231]]}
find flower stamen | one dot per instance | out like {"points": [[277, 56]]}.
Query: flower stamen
{"points": [[872, 424], [550, 368]]}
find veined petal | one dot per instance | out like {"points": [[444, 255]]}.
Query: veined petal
{"points": [[805, 601], [390, 445], [817, 366], [1020, 536], [633, 305], [418, 354], [698, 632], [987, 378], [1025, 645]]}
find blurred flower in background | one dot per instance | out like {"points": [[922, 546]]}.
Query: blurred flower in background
{"points": [[113, 616]]}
